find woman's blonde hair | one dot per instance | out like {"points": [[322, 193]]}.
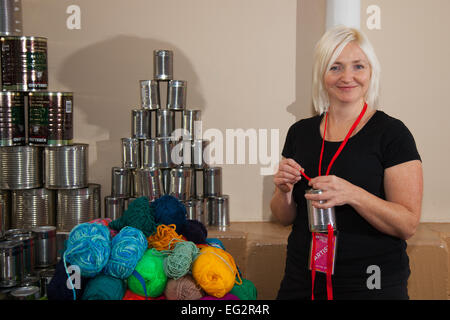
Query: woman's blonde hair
{"points": [[328, 50]]}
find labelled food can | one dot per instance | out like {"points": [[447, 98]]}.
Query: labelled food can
{"points": [[32, 208], [66, 167], [162, 65], [45, 244], [77, 206], [150, 97], [176, 95], [20, 167], [12, 118], [24, 63], [50, 118], [11, 17]]}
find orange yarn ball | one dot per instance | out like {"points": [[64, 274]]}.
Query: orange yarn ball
{"points": [[164, 238]]}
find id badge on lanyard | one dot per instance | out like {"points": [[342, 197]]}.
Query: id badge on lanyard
{"points": [[322, 223]]}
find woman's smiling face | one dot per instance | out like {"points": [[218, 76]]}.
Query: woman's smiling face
{"points": [[348, 78]]}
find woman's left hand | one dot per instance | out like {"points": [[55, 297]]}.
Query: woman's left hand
{"points": [[335, 191]]}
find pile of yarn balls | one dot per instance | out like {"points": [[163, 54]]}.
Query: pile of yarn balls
{"points": [[152, 252]]}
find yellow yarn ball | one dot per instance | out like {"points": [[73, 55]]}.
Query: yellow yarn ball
{"points": [[215, 271]]}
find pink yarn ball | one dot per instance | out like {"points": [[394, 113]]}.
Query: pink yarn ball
{"points": [[105, 222]]}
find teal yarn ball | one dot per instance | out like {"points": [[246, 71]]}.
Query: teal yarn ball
{"points": [[89, 247], [128, 247], [245, 291], [179, 261], [104, 287], [149, 272], [138, 215]]}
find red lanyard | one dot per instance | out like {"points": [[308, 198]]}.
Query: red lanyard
{"points": [[330, 250]]}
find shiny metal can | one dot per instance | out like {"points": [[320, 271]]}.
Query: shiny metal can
{"points": [[121, 182], [148, 183], [319, 219], [150, 97], [33, 208], [114, 207], [177, 95], [29, 250], [140, 124], [180, 183], [66, 167], [46, 254], [219, 215], [75, 206], [20, 167], [212, 181], [130, 153], [11, 263], [162, 65], [165, 123], [11, 18]]}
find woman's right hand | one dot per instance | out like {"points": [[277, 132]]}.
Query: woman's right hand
{"points": [[287, 175]]}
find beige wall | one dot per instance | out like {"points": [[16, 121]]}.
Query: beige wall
{"points": [[248, 65]]}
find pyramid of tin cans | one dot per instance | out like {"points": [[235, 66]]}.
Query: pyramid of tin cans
{"points": [[44, 188], [165, 153]]}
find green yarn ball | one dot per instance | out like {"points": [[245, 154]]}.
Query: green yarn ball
{"points": [[139, 215], [245, 291], [151, 268]]}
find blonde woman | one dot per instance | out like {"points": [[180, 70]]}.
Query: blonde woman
{"points": [[373, 179]]}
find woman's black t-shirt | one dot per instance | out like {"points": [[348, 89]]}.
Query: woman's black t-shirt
{"points": [[383, 142]]}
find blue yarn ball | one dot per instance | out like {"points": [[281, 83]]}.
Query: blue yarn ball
{"points": [[169, 210], [214, 242], [89, 247], [128, 247]]}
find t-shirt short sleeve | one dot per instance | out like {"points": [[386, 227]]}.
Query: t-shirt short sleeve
{"points": [[398, 145], [288, 149]]}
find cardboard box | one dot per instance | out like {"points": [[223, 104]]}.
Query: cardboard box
{"points": [[259, 249]]}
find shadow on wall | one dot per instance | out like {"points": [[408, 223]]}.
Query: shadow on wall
{"points": [[105, 80], [310, 28]]}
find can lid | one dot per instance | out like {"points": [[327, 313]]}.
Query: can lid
{"points": [[9, 244], [25, 291], [313, 191], [163, 52], [177, 83]]}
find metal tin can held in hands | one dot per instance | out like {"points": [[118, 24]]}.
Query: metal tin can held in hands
{"points": [[319, 219]]}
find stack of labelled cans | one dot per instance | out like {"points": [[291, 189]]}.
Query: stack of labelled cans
{"points": [[166, 153], [44, 185]]}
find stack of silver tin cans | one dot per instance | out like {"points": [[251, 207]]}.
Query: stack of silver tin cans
{"points": [[165, 153], [44, 187]]}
